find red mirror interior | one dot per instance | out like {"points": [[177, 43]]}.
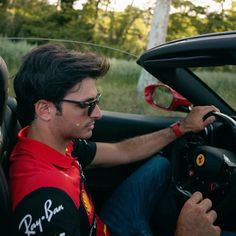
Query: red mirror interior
{"points": [[164, 97]]}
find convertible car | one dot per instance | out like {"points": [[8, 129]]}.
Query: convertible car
{"points": [[190, 72]]}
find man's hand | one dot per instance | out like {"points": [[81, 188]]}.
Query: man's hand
{"points": [[194, 120], [196, 218]]}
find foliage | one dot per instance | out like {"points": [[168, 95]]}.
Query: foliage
{"points": [[12, 52], [95, 22], [189, 19], [222, 82], [36, 18]]}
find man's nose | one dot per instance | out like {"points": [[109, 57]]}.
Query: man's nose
{"points": [[96, 113]]}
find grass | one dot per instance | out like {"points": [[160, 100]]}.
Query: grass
{"points": [[118, 88], [12, 53], [223, 83]]}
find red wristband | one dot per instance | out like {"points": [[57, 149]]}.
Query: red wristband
{"points": [[176, 129]]}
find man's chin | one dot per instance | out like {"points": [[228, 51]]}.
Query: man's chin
{"points": [[85, 136]]}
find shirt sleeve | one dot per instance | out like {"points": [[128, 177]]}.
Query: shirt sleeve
{"points": [[46, 212], [84, 150]]}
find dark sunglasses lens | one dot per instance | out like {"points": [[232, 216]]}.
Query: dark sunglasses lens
{"points": [[92, 106]]}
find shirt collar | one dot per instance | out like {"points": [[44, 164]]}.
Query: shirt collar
{"points": [[44, 152]]}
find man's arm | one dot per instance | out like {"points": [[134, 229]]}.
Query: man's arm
{"points": [[144, 146], [196, 218]]}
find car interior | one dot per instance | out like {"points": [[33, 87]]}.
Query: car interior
{"points": [[175, 64]]}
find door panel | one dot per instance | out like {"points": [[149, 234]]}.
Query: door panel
{"points": [[115, 126]]}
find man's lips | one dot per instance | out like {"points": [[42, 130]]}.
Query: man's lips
{"points": [[90, 125]]}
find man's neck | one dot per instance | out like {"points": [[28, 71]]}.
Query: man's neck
{"points": [[44, 135]]}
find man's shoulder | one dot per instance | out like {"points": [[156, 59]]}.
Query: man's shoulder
{"points": [[27, 175], [45, 211]]}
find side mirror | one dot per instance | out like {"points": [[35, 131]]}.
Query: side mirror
{"points": [[164, 97]]}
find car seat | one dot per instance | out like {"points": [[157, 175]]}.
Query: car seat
{"points": [[10, 128], [5, 206]]}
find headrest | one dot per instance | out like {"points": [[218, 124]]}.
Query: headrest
{"points": [[3, 87]]}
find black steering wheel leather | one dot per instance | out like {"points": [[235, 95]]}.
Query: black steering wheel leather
{"points": [[208, 169]]}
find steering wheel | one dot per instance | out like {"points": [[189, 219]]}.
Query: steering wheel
{"points": [[208, 169]]}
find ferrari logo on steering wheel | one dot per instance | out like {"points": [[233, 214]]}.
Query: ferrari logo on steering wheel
{"points": [[200, 160]]}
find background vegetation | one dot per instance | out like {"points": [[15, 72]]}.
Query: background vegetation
{"points": [[25, 23], [96, 23]]}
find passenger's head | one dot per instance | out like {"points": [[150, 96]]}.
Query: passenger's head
{"points": [[49, 72], [4, 76]]}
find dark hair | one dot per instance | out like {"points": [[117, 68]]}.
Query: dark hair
{"points": [[49, 72]]}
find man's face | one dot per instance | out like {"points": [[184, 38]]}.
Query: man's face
{"points": [[74, 121]]}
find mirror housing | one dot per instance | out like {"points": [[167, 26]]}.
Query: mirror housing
{"points": [[164, 97]]}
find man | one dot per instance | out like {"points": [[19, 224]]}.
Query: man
{"points": [[56, 94]]}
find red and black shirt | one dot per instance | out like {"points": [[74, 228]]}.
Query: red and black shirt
{"points": [[48, 191]]}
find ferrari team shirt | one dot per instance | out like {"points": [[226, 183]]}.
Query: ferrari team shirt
{"points": [[48, 190]]}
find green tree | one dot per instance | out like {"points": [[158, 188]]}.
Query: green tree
{"points": [[186, 20], [189, 19], [67, 4], [97, 23]]}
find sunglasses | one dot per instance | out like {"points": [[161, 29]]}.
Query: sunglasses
{"points": [[90, 104]]}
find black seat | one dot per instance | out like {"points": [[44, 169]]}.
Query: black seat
{"points": [[10, 128], [5, 206]]}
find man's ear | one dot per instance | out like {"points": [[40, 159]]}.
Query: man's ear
{"points": [[43, 109]]}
